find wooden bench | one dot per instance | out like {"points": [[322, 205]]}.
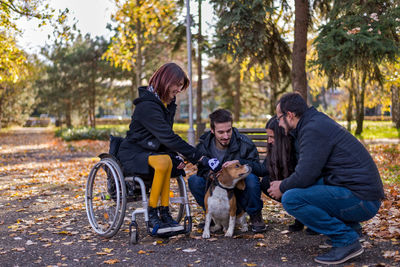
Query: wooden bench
{"points": [[259, 138]]}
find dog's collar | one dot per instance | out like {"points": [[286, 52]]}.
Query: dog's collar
{"points": [[220, 185]]}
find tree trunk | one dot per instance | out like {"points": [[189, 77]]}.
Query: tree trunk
{"points": [[134, 90], [272, 99], [92, 104], [299, 77], [139, 58], [396, 106], [68, 114], [1, 112], [360, 106], [199, 72], [236, 96], [349, 113]]}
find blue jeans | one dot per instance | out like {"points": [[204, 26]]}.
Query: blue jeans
{"points": [[333, 211], [248, 199]]}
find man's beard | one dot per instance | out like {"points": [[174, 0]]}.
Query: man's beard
{"points": [[224, 145], [287, 127]]}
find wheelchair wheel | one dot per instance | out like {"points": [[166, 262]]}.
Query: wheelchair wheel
{"points": [[177, 198], [105, 197]]}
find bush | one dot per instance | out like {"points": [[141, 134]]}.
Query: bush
{"points": [[73, 134]]}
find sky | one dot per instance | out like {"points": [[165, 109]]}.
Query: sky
{"points": [[92, 17]]}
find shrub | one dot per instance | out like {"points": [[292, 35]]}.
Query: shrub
{"points": [[73, 134]]}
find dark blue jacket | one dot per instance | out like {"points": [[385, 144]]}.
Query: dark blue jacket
{"points": [[150, 132], [328, 150]]}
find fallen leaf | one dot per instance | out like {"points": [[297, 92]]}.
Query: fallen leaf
{"points": [[189, 250], [142, 252], [18, 249], [258, 236], [29, 242], [112, 261]]}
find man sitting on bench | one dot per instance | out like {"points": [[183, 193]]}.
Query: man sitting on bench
{"points": [[226, 144]]}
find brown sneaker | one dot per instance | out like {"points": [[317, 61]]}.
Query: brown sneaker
{"points": [[257, 224]]}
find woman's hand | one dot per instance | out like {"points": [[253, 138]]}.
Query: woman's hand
{"points": [[181, 166]]}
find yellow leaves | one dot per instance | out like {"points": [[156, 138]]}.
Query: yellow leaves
{"points": [[64, 232], [249, 264], [142, 252], [112, 261], [261, 244], [107, 250]]}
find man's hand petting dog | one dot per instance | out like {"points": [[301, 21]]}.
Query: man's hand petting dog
{"points": [[274, 190], [227, 163]]}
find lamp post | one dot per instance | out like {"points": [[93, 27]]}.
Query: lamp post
{"points": [[189, 51]]}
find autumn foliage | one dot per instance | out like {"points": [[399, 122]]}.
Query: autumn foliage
{"points": [[45, 176]]}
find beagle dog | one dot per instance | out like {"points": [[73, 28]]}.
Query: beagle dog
{"points": [[220, 201]]}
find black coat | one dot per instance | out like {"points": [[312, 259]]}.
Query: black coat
{"points": [[328, 150], [240, 147], [150, 133]]}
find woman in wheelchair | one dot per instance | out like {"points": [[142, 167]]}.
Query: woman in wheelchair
{"points": [[150, 146]]}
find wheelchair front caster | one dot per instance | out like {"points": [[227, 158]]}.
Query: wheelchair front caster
{"points": [[133, 233]]}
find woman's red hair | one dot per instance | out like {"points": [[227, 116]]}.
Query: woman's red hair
{"points": [[166, 76]]}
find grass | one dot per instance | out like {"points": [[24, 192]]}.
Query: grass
{"points": [[371, 130], [375, 129]]}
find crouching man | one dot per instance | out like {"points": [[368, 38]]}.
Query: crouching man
{"points": [[336, 184]]}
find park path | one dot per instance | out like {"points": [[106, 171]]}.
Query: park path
{"points": [[43, 220]]}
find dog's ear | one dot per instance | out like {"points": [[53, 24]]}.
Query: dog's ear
{"points": [[241, 185]]}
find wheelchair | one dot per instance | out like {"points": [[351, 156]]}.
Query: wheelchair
{"points": [[108, 193]]}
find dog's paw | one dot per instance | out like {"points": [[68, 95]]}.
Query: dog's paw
{"points": [[244, 228], [206, 234], [229, 233]]}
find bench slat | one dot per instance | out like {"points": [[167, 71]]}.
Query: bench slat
{"points": [[257, 137], [251, 130], [260, 144]]}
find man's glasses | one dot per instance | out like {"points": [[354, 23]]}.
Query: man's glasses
{"points": [[279, 118]]}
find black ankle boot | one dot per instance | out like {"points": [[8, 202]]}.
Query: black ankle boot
{"points": [[167, 219], [156, 226], [296, 226]]}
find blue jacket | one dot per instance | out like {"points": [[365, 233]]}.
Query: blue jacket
{"points": [[328, 150]]}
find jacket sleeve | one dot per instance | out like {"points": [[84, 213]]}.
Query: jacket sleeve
{"points": [[249, 151], [155, 123], [202, 170], [257, 168], [315, 148]]}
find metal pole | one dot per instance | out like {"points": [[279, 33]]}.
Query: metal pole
{"points": [[190, 96]]}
